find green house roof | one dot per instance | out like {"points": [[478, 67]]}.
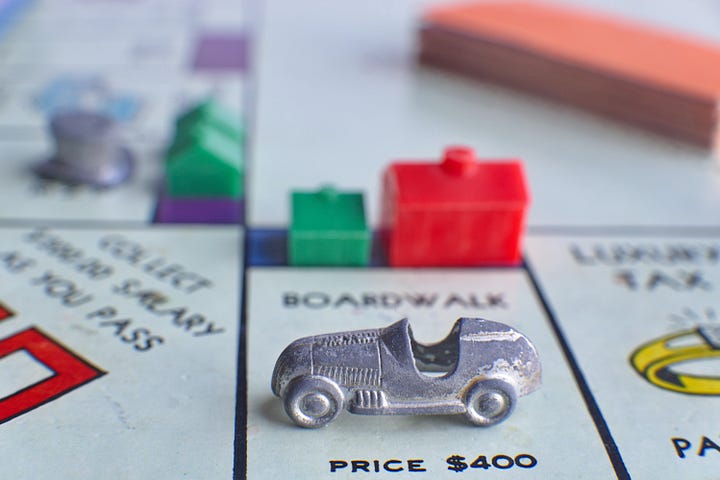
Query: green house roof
{"points": [[210, 165], [209, 113], [328, 209]]}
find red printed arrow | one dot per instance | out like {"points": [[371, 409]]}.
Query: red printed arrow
{"points": [[69, 371], [5, 312]]}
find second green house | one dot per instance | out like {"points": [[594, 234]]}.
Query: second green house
{"points": [[328, 228]]}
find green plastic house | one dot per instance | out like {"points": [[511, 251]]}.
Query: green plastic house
{"points": [[205, 157], [328, 228], [212, 114], [208, 166]]}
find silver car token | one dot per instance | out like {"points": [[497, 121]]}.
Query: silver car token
{"points": [[479, 370]]}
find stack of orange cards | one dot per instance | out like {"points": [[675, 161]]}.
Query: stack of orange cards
{"points": [[662, 81]]}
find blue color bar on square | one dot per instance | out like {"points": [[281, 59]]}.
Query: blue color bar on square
{"points": [[268, 248]]}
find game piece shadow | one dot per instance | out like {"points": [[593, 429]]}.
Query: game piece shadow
{"points": [[272, 410]]}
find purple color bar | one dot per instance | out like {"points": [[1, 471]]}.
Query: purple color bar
{"points": [[221, 51], [199, 210]]}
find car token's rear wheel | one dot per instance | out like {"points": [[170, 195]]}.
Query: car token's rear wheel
{"points": [[489, 402], [312, 401]]}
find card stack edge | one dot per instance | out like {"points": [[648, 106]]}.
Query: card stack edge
{"points": [[671, 112]]}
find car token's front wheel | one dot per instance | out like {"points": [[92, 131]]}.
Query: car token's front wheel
{"points": [[312, 401], [489, 402]]}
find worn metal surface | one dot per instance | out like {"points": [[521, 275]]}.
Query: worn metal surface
{"points": [[479, 369], [88, 151]]}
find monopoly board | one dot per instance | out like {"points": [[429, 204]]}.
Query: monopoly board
{"points": [[134, 349]]}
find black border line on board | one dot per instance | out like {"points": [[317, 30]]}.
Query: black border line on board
{"points": [[240, 447], [600, 424], [630, 230], [77, 224], [249, 114], [110, 225]]}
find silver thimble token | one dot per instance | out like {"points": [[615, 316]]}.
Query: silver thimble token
{"points": [[87, 150]]}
